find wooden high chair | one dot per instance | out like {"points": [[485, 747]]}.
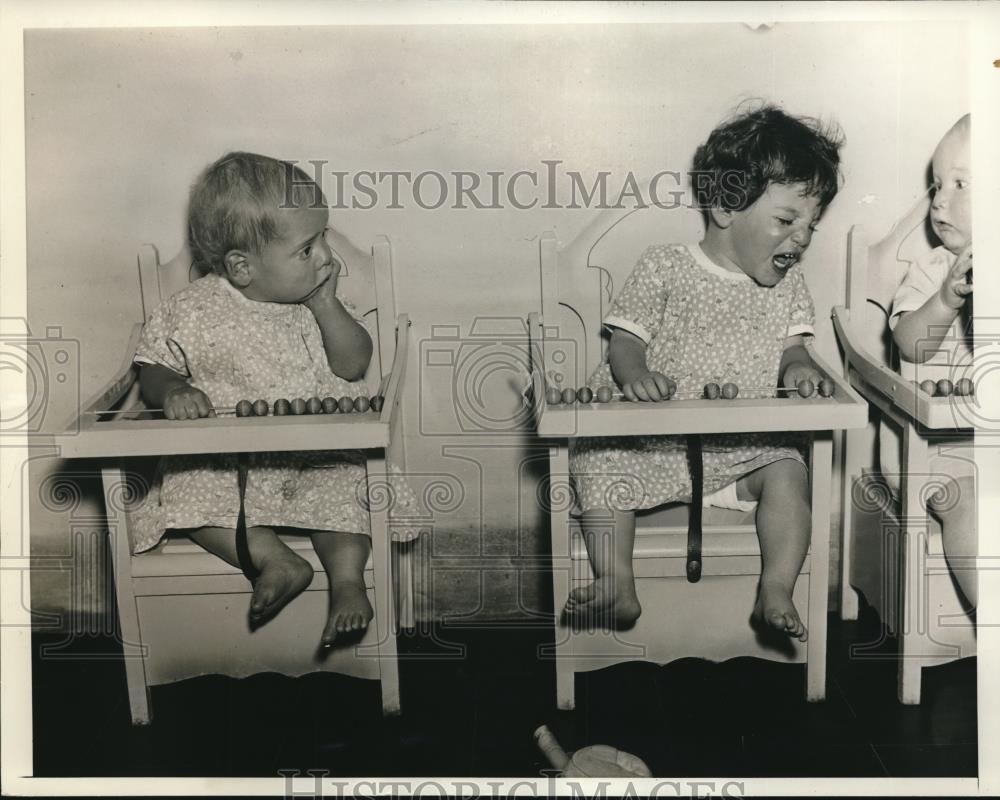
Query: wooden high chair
{"points": [[711, 618], [892, 551], [182, 610]]}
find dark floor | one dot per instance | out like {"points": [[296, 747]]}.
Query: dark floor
{"points": [[472, 697]]}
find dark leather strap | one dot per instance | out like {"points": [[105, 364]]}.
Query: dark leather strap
{"points": [[242, 547], [694, 519]]}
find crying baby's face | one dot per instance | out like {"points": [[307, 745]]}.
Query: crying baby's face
{"points": [[768, 238]]}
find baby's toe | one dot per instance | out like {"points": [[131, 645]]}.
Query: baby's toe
{"points": [[329, 636], [795, 627], [583, 594]]}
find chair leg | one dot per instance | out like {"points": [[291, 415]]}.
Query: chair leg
{"points": [[559, 490], [133, 650], [913, 530], [384, 603], [819, 566], [403, 560], [853, 442]]}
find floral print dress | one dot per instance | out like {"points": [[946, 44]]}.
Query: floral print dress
{"points": [[702, 324], [234, 348]]}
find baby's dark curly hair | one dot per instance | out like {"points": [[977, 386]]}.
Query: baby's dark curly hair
{"points": [[764, 145], [233, 205]]}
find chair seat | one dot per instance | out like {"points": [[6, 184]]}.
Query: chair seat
{"points": [[179, 565], [662, 553]]}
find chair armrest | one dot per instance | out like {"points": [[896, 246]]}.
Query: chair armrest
{"points": [[109, 395], [536, 354], [895, 396], [845, 409], [394, 386]]}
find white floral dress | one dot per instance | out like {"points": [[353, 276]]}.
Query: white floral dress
{"points": [[702, 324], [234, 348]]}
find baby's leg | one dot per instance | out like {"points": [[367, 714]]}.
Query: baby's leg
{"points": [[283, 573], [959, 535], [610, 601], [344, 556], [783, 526]]}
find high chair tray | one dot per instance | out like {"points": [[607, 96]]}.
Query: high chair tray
{"points": [[894, 394], [96, 434], [154, 437], [844, 409]]}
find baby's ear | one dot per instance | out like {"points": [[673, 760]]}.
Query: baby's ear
{"points": [[237, 268], [722, 217]]}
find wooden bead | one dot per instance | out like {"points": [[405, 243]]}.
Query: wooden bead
{"points": [[604, 394], [260, 408], [298, 406], [314, 405], [346, 404], [945, 387], [362, 404], [964, 387], [826, 388], [377, 402], [585, 394], [712, 391], [281, 407], [568, 396], [329, 405], [928, 387], [730, 390], [805, 388], [553, 396], [244, 408]]}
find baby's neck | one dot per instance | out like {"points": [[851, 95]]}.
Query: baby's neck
{"points": [[716, 247], [240, 291]]}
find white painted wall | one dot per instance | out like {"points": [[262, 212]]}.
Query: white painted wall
{"points": [[120, 121]]}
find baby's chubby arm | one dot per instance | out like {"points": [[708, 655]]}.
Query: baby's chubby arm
{"points": [[348, 345], [627, 357], [161, 387], [796, 365], [919, 333]]}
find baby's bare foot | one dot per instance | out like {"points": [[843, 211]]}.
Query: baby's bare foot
{"points": [[607, 603], [775, 608], [349, 610], [283, 576]]}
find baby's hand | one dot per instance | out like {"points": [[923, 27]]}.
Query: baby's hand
{"points": [[958, 285], [651, 386], [798, 372], [326, 292], [186, 402]]}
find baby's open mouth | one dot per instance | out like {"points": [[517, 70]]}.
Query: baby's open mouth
{"points": [[784, 261]]}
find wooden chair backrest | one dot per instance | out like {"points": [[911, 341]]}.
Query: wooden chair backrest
{"points": [[874, 272], [581, 279], [366, 281]]}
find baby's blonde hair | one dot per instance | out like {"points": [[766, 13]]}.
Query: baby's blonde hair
{"points": [[233, 204]]}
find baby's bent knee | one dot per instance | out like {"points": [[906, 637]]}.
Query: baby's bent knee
{"points": [[788, 474]]}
